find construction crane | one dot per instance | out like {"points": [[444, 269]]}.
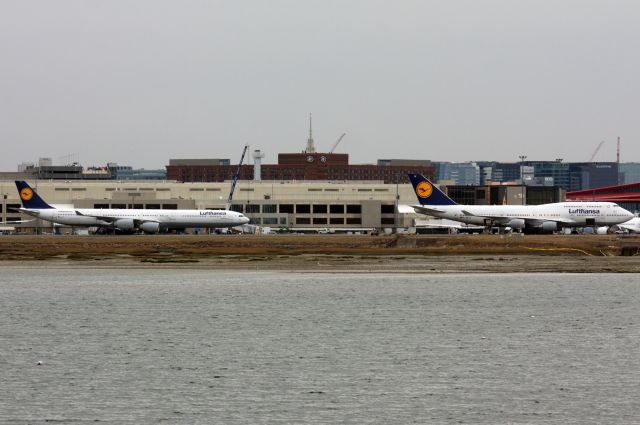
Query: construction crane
{"points": [[335, 145], [235, 178], [595, 152]]}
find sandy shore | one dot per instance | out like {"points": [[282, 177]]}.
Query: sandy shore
{"points": [[332, 253]]}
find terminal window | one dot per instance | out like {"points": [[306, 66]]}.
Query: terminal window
{"points": [[387, 209], [336, 220], [170, 206], [387, 220], [303, 208], [286, 208], [120, 206], [319, 209], [354, 220], [354, 209], [252, 208], [319, 220], [269, 209], [303, 220], [153, 206], [336, 209], [236, 207], [101, 206]]}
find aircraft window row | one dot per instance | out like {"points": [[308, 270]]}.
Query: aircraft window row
{"points": [[137, 206]]}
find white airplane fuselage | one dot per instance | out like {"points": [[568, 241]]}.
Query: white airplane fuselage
{"points": [[166, 219], [569, 214]]}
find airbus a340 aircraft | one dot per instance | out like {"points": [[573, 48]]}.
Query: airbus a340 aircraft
{"points": [[126, 220], [632, 225], [529, 218]]}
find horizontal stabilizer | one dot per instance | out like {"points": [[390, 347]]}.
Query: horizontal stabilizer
{"points": [[421, 209], [9, 223]]}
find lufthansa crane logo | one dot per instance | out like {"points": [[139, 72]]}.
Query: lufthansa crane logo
{"points": [[26, 194], [424, 189]]}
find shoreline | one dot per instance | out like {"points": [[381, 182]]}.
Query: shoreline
{"points": [[426, 254]]}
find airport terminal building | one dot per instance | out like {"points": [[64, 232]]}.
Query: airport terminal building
{"points": [[350, 206]]}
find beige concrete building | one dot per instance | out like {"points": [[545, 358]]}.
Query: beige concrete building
{"points": [[292, 204]]}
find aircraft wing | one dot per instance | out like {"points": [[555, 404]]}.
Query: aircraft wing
{"points": [[110, 219], [106, 218], [461, 226], [504, 220]]}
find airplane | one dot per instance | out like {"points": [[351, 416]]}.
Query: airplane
{"points": [[126, 220], [544, 218], [632, 225]]}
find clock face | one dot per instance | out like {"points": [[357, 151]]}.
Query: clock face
{"points": [[323, 158], [310, 158]]}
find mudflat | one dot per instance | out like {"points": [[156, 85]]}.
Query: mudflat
{"points": [[334, 253]]}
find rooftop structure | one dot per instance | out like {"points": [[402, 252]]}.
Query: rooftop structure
{"points": [[301, 166], [625, 195]]}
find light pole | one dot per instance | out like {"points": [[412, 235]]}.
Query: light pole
{"points": [[522, 158], [395, 218]]}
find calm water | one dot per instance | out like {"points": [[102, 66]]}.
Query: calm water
{"points": [[179, 346]]}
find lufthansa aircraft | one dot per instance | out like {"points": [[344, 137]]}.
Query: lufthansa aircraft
{"points": [[529, 218], [126, 220]]}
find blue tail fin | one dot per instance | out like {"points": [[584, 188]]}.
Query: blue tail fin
{"points": [[29, 197], [427, 192]]}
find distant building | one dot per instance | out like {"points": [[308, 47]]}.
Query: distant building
{"points": [[571, 176], [505, 194], [126, 172], [461, 173], [629, 172], [498, 172], [140, 174], [299, 167], [591, 175], [71, 172]]}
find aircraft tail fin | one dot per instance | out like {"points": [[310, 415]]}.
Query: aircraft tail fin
{"points": [[29, 197], [427, 192]]}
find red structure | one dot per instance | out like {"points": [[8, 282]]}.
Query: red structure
{"points": [[625, 195], [300, 166]]}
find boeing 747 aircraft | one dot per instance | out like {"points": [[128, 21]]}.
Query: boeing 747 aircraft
{"points": [[528, 218], [126, 220]]}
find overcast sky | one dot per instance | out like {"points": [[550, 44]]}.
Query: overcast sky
{"points": [[139, 82]]}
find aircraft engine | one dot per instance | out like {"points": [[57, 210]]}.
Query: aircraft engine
{"points": [[150, 227], [516, 223], [124, 224], [549, 226], [602, 230]]}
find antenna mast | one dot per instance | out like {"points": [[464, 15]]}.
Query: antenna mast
{"points": [[311, 148]]}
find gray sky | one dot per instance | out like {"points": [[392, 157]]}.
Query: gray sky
{"points": [[139, 82]]}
